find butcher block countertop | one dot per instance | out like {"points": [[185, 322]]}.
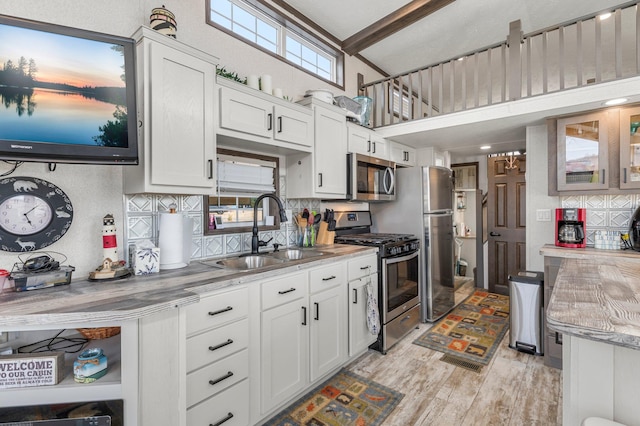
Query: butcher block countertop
{"points": [[138, 296], [596, 295]]}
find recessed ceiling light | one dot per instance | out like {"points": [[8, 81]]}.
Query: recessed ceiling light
{"points": [[461, 58], [605, 16], [485, 147], [616, 101]]}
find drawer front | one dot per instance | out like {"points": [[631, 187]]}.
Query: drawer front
{"points": [[327, 277], [283, 290], [218, 309], [216, 344], [216, 377], [362, 266], [232, 404]]}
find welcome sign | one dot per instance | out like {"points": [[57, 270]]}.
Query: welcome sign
{"points": [[23, 370]]}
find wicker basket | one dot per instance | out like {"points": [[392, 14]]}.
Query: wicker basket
{"points": [[99, 333]]}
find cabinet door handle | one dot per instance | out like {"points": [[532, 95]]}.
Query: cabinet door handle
{"points": [[227, 309], [280, 124], [368, 146], [355, 296], [406, 156], [270, 121], [558, 338], [374, 147], [286, 291], [219, 422], [221, 345], [304, 315], [221, 378], [332, 277], [317, 317], [603, 182], [625, 175], [319, 179], [210, 164]]}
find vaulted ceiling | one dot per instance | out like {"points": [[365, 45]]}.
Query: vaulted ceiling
{"points": [[398, 36]]}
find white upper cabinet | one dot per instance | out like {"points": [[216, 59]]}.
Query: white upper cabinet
{"points": [[402, 155], [176, 93], [250, 118], [322, 174], [367, 142]]}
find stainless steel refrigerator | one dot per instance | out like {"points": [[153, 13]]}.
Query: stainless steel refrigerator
{"points": [[423, 207]]}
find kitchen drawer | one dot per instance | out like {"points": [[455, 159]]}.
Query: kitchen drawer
{"points": [[216, 377], [362, 266], [216, 344], [232, 402], [327, 277], [218, 309], [283, 290]]}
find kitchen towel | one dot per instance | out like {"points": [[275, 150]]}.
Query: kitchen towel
{"points": [[174, 240], [373, 315]]}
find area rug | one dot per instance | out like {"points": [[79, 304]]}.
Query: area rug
{"points": [[344, 399], [470, 334]]}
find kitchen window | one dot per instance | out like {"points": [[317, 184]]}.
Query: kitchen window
{"points": [[270, 31], [241, 178]]}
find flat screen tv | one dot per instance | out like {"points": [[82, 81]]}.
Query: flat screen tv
{"points": [[66, 95]]}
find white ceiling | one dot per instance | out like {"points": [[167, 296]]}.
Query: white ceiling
{"points": [[460, 27]]}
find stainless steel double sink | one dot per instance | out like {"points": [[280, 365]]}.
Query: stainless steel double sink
{"points": [[252, 262]]}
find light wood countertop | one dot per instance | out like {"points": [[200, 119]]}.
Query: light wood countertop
{"points": [[138, 296], [596, 295]]}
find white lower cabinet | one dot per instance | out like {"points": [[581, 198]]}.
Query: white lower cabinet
{"points": [[303, 331], [361, 273], [217, 359]]}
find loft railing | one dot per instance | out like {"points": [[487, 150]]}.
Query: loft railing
{"points": [[588, 50]]}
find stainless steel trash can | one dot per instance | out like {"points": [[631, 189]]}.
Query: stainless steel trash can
{"points": [[526, 312]]}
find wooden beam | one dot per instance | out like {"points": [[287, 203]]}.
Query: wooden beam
{"points": [[392, 23]]}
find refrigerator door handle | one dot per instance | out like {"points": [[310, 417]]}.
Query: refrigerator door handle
{"points": [[440, 213]]}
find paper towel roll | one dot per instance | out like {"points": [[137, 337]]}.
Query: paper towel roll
{"points": [[174, 240]]}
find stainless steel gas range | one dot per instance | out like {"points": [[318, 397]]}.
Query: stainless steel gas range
{"points": [[398, 266]]}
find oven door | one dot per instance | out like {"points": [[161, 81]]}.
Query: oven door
{"points": [[399, 285], [371, 179]]}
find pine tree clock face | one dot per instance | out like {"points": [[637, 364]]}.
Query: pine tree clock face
{"points": [[34, 213]]}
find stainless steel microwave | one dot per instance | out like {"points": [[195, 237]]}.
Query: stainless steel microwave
{"points": [[370, 178]]}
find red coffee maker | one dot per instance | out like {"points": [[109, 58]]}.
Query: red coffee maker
{"points": [[571, 228]]}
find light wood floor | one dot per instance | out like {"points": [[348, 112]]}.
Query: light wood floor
{"points": [[514, 389]]}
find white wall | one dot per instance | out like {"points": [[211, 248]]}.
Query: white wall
{"points": [[537, 177], [97, 190]]}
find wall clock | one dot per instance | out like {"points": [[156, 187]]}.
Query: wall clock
{"points": [[34, 213]]}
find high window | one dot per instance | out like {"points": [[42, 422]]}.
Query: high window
{"points": [[266, 29]]}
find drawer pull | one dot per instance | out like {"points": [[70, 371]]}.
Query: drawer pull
{"points": [[362, 268], [221, 345], [317, 317], [221, 311], [408, 317], [355, 296], [286, 291], [226, 419], [332, 277], [219, 379]]}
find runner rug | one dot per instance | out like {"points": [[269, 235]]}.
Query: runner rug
{"points": [[344, 399], [470, 334]]}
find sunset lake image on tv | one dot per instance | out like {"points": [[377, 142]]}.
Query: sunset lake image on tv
{"points": [[61, 89]]}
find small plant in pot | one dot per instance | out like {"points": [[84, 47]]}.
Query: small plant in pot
{"points": [[222, 72]]}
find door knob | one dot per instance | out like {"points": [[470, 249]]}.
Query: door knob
{"points": [[494, 234]]}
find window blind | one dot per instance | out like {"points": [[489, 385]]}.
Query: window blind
{"points": [[242, 175]]}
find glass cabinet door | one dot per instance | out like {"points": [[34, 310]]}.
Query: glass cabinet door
{"points": [[630, 148], [583, 152]]}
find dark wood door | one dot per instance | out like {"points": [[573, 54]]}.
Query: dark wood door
{"points": [[507, 216]]}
